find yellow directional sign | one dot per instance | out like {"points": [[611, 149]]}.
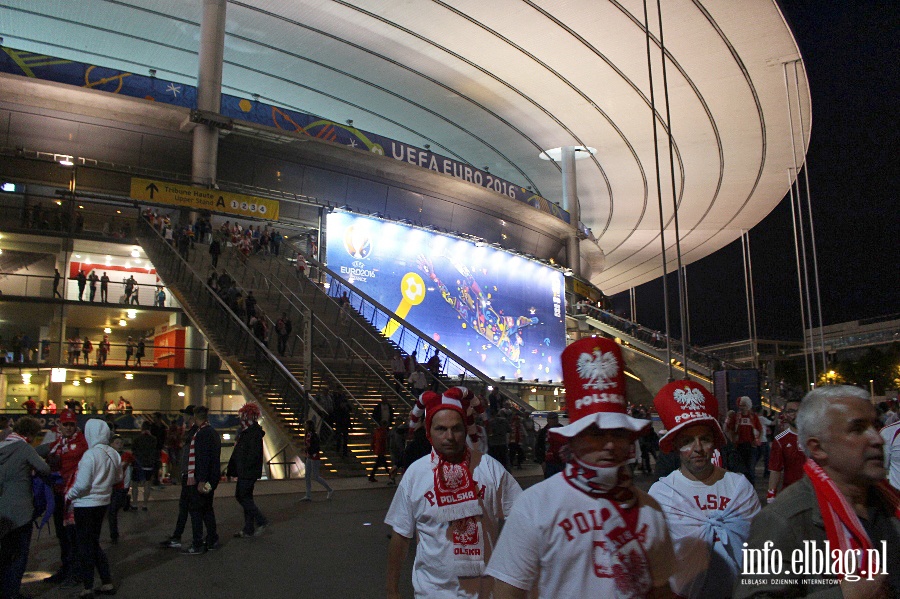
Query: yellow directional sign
{"points": [[199, 198]]}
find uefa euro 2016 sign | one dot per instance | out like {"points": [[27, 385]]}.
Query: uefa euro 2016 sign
{"points": [[500, 312]]}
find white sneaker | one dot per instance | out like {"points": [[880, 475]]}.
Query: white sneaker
{"points": [[306, 498], [330, 493]]}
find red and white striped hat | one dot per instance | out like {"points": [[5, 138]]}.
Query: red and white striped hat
{"points": [[685, 403]]}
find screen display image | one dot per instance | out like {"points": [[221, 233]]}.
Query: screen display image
{"points": [[502, 313]]}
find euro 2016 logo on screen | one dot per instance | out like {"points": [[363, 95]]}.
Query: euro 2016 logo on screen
{"points": [[358, 242]]}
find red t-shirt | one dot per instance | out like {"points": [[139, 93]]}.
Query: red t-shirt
{"points": [[786, 456], [127, 462], [744, 426]]}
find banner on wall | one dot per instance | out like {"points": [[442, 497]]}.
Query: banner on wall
{"points": [[39, 66], [500, 312]]}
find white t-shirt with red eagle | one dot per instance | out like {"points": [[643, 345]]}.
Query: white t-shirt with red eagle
{"points": [[414, 512], [560, 542], [708, 524]]}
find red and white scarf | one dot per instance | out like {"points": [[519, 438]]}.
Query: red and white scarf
{"points": [[842, 526], [458, 502], [15, 437], [592, 481], [192, 457]]}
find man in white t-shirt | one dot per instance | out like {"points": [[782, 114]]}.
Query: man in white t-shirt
{"points": [[708, 509], [891, 436], [587, 531], [453, 500]]}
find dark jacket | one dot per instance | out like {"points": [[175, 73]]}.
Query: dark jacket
{"points": [[793, 518], [247, 458], [207, 456], [145, 451]]}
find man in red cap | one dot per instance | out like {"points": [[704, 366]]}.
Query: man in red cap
{"points": [[63, 458], [708, 509], [453, 499], [588, 531]]}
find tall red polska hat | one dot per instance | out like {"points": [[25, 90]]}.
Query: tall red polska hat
{"points": [[594, 377], [686, 403]]}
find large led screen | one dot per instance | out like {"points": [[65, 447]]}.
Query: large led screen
{"points": [[502, 313]]}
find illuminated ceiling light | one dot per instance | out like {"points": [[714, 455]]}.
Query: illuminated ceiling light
{"points": [[107, 330], [132, 313], [122, 323], [118, 212], [26, 378], [77, 383], [59, 202], [78, 255], [534, 389], [88, 380], [57, 375], [80, 207], [137, 260], [129, 376], [135, 253], [66, 161], [87, 261], [181, 394]]}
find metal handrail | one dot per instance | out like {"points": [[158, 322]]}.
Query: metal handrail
{"points": [[629, 327], [320, 327], [388, 315], [260, 347]]}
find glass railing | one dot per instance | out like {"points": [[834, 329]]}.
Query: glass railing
{"points": [[71, 354], [15, 284], [229, 332]]}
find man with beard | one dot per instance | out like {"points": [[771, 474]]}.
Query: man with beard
{"points": [[786, 458], [453, 500], [708, 509], [588, 531], [844, 499]]}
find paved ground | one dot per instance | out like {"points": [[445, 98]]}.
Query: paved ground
{"points": [[325, 548]]}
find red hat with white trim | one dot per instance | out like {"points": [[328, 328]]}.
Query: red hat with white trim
{"points": [[67, 416], [686, 403], [452, 399], [594, 376]]}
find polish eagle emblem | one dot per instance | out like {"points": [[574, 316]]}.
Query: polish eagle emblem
{"points": [[598, 369], [689, 399]]}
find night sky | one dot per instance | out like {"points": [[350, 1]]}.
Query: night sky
{"points": [[851, 56]]}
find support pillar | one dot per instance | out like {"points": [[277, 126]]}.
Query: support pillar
{"points": [[570, 204], [209, 91]]}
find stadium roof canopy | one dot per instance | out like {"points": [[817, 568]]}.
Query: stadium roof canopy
{"points": [[493, 83]]}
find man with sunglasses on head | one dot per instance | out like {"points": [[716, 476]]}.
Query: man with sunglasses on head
{"points": [[786, 458]]}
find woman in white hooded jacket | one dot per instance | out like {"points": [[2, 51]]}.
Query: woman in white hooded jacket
{"points": [[98, 470]]}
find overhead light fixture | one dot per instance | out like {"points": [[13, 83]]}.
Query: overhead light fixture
{"points": [[122, 323], [534, 389], [181, 394], [76, 383], [135, 253], [78, 255], [129, 376], [132, 313], [59, 202], [26, 378], [66, 161], [107, 330], [57, 375], [80, 207], [88, 380]]}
